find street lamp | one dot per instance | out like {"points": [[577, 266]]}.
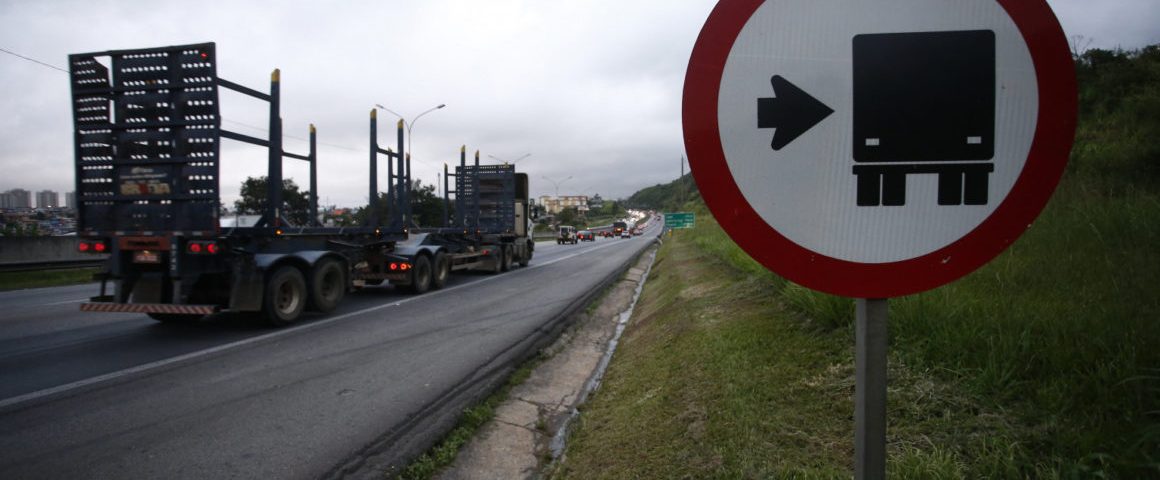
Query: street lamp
{"points": [[557, 184], [409, 125], [526, 155]]}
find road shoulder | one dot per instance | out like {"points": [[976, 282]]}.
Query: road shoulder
{"points": [[519, 440]]}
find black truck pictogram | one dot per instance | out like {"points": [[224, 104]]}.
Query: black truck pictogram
{"points": [[924, 103]]}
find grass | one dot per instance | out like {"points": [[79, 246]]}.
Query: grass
{"points": [[717, 377], [443, 453], [1044, 363], [45, 278]]}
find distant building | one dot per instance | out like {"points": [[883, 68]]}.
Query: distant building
{"points": [[47, 199], [70, 200], [16, 199], [555, 205]]}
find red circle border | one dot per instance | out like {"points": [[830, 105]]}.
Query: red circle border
{"points": [[1050, 147]]}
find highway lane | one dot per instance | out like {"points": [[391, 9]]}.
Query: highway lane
{"points": [[46, 342], [229, 398]]}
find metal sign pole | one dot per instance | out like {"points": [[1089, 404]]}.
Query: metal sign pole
{"points": [[870, 389]]}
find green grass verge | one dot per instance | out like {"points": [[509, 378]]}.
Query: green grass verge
{"points": [[716, 378], [1041, 364], [45, 278], [473, 418]]}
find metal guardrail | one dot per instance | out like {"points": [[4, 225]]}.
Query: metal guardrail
{"points": [[50, 265]]}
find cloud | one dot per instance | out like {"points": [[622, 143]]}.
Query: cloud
{"points": [[592, 89]]}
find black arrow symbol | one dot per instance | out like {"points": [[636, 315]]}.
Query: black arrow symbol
{"points": [[791, 113]]}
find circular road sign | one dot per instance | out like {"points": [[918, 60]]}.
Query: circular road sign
{"points": [[878, 149]]}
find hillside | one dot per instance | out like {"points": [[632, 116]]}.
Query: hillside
{"points": [[1042, 364]]}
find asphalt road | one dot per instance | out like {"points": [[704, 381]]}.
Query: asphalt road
{"points": [[87, 395]]}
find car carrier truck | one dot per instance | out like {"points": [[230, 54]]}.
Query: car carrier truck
{"points": [[147, 143]]}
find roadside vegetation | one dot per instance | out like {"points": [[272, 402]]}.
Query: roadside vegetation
{"points": [[1042, 364], [45, 278]]}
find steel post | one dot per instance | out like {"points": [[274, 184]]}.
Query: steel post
{"points": [[460, 187], [446, 198], [372, 219], [870, 344], [274, 171], [314, 177]]}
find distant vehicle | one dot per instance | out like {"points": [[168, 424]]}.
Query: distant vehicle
{"points": [[626, 234], [606, 233], [586, 236], [636, 232], [619, 228], [567, 234]]}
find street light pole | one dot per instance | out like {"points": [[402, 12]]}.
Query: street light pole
{"points": [[557, 184], [407, 163], [526, 155]]}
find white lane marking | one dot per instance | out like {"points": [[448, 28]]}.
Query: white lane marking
{"points": [[240, 343], [62, 303]]}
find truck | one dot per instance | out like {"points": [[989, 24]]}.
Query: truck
{"points": [[147, 145], [619, 228]]}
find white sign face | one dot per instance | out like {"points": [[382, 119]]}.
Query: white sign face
{"points": [[895, 192]]}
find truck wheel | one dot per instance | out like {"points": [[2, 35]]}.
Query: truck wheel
{"points": [[174, 318], [507, 258], [497, 264], [442, 271], [284, 297], [327, 285], [421, 275], [527, 257]]}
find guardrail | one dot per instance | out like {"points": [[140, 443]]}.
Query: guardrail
{"points": [[43, 253], [53, 265]]}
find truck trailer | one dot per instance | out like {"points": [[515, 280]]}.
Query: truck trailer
{"points": [[147, 137]]}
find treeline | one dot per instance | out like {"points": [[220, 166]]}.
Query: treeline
{"points": [[666, 197], [1118, 139]]}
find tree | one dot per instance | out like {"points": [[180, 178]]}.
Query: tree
{"points": [[566, 216], [426, 207], [295, 202]]}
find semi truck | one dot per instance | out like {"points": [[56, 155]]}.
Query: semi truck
{"points": [[618, 228], [147, 140]]}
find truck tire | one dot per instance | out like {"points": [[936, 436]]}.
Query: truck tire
{"points": [[497, 265], [174, 318], [442, 271], [327, 285], [284, 297], [506, 264], [421, 275], [527, 256]]}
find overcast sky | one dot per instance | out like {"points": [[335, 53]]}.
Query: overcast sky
{"points": [[590, 88]]}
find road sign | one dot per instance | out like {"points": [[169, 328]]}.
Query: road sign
{"points": [[878, 149], [679, 220]]}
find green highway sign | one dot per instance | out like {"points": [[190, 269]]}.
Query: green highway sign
{"points": [[679, 220]]}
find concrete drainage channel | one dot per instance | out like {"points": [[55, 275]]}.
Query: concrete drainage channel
{"points": [[531, 426], [559, 439]]}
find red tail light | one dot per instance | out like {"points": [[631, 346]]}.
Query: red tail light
{"points": [[202, 248], [92, 246]]}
